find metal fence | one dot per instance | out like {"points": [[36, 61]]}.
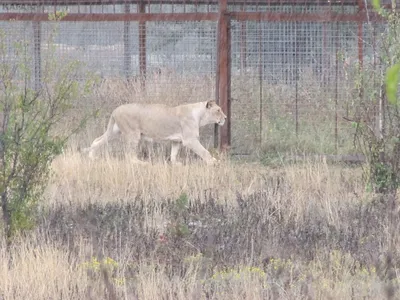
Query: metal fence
{"points": [[282, 70]]}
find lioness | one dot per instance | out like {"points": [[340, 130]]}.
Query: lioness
{"points": [[158, 122]]}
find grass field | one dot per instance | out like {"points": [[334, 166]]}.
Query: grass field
{"points": [[110, 229]]}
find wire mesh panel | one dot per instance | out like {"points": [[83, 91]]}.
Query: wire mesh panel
{"points": [[97, 45], [17, 43], [179, 60], [290, 85], [187, 47], [294, 64]]}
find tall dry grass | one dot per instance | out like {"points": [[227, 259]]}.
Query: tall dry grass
{"points": [[110, 229], [113, 230], [122, 180]]}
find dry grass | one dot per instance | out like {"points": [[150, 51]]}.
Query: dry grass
{"points": [[124, 181], [110, 229], [76, 175], [113, 230]]}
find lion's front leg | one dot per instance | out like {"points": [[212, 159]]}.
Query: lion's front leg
{"points": [[198, 148]]}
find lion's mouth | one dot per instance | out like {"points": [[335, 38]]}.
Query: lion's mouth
{"points": [[220, 123]]}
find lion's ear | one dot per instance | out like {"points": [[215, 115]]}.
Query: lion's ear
{"points": [[210, 103]]}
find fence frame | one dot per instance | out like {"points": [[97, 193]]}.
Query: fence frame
{"points": [[223, 17]]}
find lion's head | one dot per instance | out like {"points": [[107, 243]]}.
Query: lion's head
{"points": [[214, 114]]}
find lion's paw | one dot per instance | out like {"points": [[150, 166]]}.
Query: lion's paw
{"points": [[213, 161]]}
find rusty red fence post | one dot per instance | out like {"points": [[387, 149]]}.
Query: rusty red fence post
{"points": [[223, 80]]}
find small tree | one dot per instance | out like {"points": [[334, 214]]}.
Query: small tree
{"points": [[28, 118], [380, 141]]}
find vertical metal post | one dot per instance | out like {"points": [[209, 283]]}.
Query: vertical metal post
{"points": [[142, 45], [360, 44], [243, 45], [217, 76], [127, 45], [223, 72], [336, 85], [324, 54], [381, 107], [260, 75], [37, 52], [296, 63]]}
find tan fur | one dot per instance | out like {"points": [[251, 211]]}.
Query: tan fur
{"points": [[158, 122]]}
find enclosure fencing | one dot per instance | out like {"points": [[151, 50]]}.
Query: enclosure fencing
{"points": [[282, 70]]}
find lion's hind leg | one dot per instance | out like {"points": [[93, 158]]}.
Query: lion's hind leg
{"points": [[175, 146], [95, 145], [132, 142], [101, 140]]}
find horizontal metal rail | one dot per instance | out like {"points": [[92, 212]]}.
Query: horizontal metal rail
{"points": [[107, 17], [188, 2], [210, 16]]}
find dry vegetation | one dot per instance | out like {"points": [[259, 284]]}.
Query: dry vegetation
{"points": [[112, 230], [316, 111]]}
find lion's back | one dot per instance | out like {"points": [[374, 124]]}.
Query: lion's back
{"points": [[156, 121]]}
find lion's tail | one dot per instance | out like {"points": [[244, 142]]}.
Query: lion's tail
{"points": [[104, 137], [110, 127]]}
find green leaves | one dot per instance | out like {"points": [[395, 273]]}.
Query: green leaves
{"points": [[379, 138], [392, 81], [28, 139], [376, 4]]}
